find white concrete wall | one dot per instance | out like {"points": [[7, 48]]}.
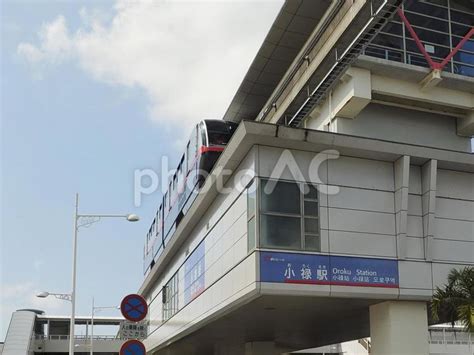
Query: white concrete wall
{"points": [[62, 346], [454, 217], [415, 246], [360, 220], [400, 125]]}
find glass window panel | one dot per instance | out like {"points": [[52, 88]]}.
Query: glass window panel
{"points": [[251, 201], [388, 41], [312, 243], [280, 232], [427, 8], [466, 14], [395, 55], [463, 69], [459, 30], [418, 20], [393, 28], [416, 59], [311, 192], [435, 51], [440, 2], [311, 208], [283, 198], [432, 37], [464, 58], [375, 52], [311, 225], [468, 46], [251, 234]]}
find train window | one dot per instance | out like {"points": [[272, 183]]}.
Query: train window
{"points": [[192, 150], [169, 196], [202, 129], [219, 133], [218, 138], [187, 157]]}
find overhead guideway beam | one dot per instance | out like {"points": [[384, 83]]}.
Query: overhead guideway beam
{"points": [[378, 17]]}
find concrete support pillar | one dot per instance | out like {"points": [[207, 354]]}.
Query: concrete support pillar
{"points": [[402, 177], [399, 328], [428, 184], [466, 125]]}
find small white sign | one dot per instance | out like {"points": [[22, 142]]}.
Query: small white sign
{"points": [[133, 330], [429, 48]]}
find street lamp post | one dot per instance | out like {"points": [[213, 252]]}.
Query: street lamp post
{"points": [[61, 296], [88, 219], [92, 323]]}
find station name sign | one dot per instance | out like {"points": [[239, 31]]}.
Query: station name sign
{"points": [[315, 269]]}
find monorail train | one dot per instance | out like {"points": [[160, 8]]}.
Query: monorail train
{"points": [[208, 140]]}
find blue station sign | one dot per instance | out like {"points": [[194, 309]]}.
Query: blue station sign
{"points": [[315, 269]]}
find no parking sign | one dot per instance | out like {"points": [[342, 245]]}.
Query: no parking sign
{"points": [[133, 347], [134, 308]]}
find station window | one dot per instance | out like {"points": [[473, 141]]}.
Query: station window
{"points": [[170, 298], [251, 216], [289, 214], [311, 239]]}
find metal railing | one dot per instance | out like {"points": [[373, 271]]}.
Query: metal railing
{"points": [[450, 337], [379, 18], [398, 55], [77, 337]]}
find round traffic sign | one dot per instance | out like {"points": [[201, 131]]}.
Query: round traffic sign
{"points": [[132, 347], [134, 308]]}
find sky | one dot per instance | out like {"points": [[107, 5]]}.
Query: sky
{"points": [[91, 91]]}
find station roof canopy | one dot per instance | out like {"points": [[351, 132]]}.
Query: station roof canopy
{"points": [[293, 26]]}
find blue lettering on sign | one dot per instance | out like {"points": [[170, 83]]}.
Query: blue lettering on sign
{"points": [[194, 271], [328, 270]]}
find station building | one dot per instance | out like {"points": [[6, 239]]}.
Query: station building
{"points": [[345, 196]]}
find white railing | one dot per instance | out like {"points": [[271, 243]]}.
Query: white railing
{"points": [[450, 337], [77, 337]]}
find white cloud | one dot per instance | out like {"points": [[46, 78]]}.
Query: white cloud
{"points": [[189, 57], [55, 43]]}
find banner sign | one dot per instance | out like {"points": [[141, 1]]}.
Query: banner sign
{"points": [[194, 271], [328, 270]]}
